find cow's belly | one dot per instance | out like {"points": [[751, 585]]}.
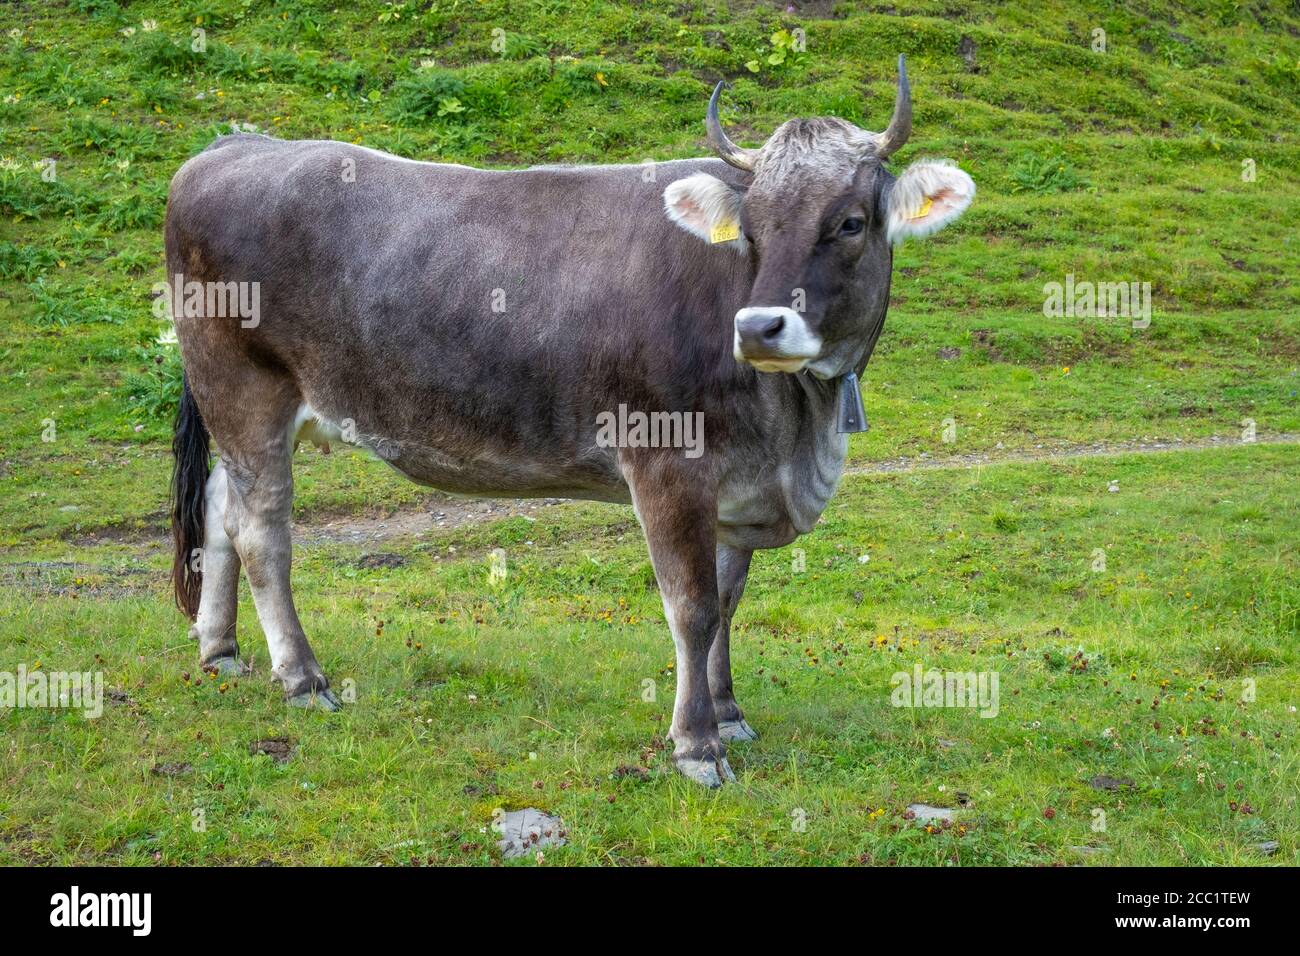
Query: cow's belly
{"points": [[486, 471], [477, 478]]}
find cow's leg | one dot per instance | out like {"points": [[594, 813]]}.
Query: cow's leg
{"points": [[733, 568], [214, 626], [251, 412], [257, 520], [679, 530]]}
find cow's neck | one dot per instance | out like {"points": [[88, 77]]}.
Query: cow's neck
{"points": [[818, 397], [812, 470]]}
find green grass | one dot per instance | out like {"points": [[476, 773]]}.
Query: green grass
{"points": [[459, 684], [1126, 165]]}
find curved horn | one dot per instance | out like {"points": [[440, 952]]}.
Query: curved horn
{"points": [[900, 127], [728, 151]]}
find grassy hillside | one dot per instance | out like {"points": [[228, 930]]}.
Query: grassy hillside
{"points": [[1172, 157], [1114, 166]]}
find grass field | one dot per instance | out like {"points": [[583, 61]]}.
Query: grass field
{"points": [[1160, 690]]}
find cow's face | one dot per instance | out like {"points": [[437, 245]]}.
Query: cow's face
{"points": [[818, 221]]}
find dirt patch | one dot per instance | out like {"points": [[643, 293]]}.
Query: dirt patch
{"points": [[118, 534], [76, 579], [171, 769], [380, 559], [1061, 452], [982, 340], [52, 577], [434, 516], [279, 749], [624, 771], [25, 844]]}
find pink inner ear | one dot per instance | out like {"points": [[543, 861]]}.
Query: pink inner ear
{"points": [[944, 200], [689, 211]]}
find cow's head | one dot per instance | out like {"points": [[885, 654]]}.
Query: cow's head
{"points": [[818, 221]]}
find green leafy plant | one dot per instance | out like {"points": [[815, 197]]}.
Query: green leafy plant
{"points": [[1052, 173], [24, 262], [62, 305], [450, 106], [785, 50], [154, 387], [421, 96]]}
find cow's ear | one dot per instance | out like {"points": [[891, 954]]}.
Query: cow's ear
{"points": [[707, 207], [929, 195]]}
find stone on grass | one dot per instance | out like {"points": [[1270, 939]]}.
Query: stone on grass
{"points": [[526, 831], [926, 813]]}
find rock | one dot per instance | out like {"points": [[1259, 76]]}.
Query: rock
{"points": [[525, 831], [925, 813]]}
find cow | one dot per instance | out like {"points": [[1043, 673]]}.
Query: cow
{"points": [[473, 328]]}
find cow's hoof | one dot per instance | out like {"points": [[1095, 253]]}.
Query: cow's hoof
{"points": [[730, 730], [226, 667], [712, 772], [321, 699]]}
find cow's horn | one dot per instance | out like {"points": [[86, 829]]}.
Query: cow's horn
{"points": [[730, 153], [900, 127]]}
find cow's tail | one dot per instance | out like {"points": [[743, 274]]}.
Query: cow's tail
{"points": [[189, 491]]}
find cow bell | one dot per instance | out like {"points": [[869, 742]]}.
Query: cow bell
{"points": [[853, 415]]}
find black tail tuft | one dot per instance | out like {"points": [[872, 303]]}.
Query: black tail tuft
{"points": [[189, 484]]}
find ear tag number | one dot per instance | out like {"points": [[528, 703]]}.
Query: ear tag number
{"points": [[725, 232], [924, 210]]}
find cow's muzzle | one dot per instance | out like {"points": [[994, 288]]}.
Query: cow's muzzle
{"points": [[774, 338]]}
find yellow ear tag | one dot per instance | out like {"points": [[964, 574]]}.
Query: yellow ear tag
{"points": [[725, 232], [924, 210]]}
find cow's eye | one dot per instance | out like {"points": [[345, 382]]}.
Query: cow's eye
{"points": [[851, 226]]}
